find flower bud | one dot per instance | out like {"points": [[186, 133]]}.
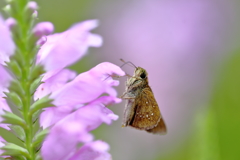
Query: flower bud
{"points": [[43, 29]]}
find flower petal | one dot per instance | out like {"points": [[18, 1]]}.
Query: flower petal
{"points": [[53, 80], [4, 80], [88, 86], [64, 49], [93, 151], [43, 29], [53, 114], [6, 43], [73, 129]]}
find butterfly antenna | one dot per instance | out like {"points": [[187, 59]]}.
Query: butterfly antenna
{"points": [[132, 65]]}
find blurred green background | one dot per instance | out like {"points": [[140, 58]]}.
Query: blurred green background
{"points": [[198, 93]]}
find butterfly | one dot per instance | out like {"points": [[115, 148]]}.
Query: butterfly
{"points": [[141, 109]]}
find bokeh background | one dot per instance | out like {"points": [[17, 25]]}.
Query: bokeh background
{"points": [[191, 51]]}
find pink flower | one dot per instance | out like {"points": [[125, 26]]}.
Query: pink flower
{"points": [[79, 91], [66, 48], [80, 106], [53, 80], [6, 43], [32, 5], [43, 29], [64, 136], [76, 118], [96, 150], [97, 79]]}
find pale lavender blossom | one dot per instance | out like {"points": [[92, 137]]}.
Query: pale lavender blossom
{"points": [[97, 79], [62, 141], [73, 127], [85, 88], [4, 80], [10, 22], [63, 49], [94, 150], [32, 5], [43, 29], [76, 118], [53, 80]]}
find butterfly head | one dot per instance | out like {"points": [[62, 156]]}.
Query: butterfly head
{"points": [[139, 78], [140, 73]]}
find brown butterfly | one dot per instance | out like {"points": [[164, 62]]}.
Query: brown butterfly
{"points": [[141, 110]]}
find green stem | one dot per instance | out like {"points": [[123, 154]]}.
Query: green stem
{"points": [[25, 51]]}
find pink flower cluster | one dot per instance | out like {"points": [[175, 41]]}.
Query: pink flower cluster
{"points": [[79, 104]]}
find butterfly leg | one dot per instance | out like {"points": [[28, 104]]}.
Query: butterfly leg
{"points": [[126, 95]]}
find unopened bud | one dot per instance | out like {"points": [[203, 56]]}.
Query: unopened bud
{"points": [[43, 29]]}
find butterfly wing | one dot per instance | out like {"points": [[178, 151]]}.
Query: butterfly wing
{"points": [[147, 114], [159, 129]]}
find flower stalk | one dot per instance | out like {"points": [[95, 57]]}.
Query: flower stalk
{"points": [[22, 65]]}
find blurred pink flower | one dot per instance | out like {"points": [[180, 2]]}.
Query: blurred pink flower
{"points": [[4, 80], [180, 43], [6, 43], [43, 29], [10, 22], [32, 5]]}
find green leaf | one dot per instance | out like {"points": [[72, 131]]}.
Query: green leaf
{"points": [[13, 65], [14, 98], [38, 157], [39, 137], [14, 150], [40, 104], [36, 115], [17, 55], [16, 87], [36, 72], [18, 132], [10, 137], [35, 84], [11, 118]]}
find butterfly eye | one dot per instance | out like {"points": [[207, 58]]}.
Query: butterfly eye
{"points": [[143, 75]]}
